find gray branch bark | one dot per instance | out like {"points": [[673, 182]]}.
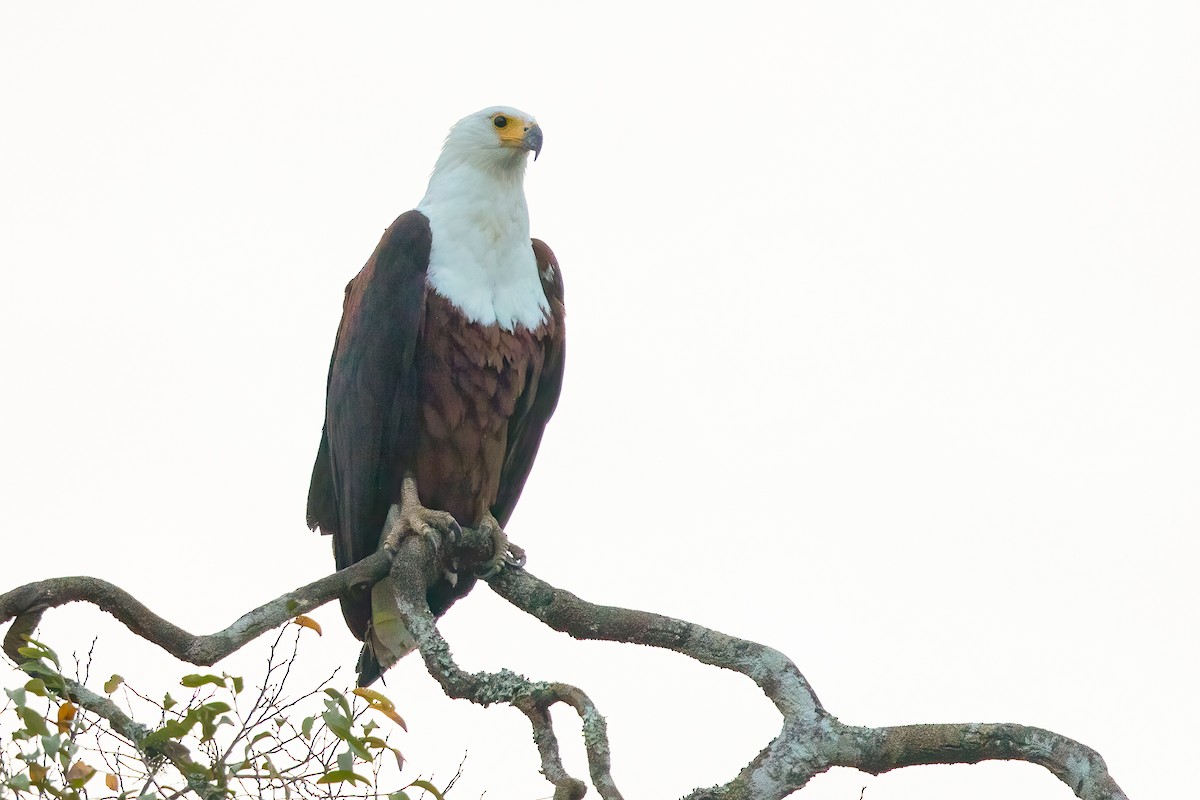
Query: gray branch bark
{"points": [[811, 740]]}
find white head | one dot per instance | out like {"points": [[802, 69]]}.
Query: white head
{"points": [[494, 139]]}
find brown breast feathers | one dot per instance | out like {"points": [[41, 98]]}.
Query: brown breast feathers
{"points": [[473, 378]]}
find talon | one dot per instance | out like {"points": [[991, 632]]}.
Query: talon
{"points": [[409, 517], [515, 557], [493, 569], [504, 552]]}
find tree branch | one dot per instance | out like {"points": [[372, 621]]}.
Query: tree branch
{"points": [[28, 602], [414, 569], [811, 740]]}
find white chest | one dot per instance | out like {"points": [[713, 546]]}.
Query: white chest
{"points": [[485, 266]]}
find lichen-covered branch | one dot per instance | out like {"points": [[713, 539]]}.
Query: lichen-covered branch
{"points": [[565, 787], [413, 570], [878, 750], [810, 741], [27, 603]]}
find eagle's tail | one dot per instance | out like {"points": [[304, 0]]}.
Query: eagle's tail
{"points": [[369, 668]]}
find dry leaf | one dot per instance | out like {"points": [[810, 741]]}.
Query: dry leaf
{"points": [[77, 771], [66, 713], [381, 704], [308, 622]]}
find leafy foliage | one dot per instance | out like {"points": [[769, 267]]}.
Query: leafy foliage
{"points": [[221, 741]]}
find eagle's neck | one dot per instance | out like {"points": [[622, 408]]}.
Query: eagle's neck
{"points": [[481, 259]]}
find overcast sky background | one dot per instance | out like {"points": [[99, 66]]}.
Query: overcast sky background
{"points": [[883, 326]]}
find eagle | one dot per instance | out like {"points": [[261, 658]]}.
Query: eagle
{"points": [[448, 363]]}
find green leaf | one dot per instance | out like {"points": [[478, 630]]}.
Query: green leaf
{"points": [[269, 766], [224, 720], [51, 744], [65, 754], [17, 696], [359, 749], [52, 678], [338, 725], [398, 796], [38, 649], [173, 729], [306, 727], [112, 683], [196, 681], [37, 686], [342, 775], [238, 684], [33, 720], [206, 715], [343, 732], [169, 702], [429, 787], [21, 782], [259, 738], [341, 701]]}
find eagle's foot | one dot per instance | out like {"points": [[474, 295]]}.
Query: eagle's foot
{"points": [[504, 552], [439, 528]]}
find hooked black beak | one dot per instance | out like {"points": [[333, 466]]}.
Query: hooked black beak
{"points": [[533, 139]]}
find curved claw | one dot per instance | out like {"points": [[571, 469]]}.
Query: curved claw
{"points": [[455, 533], [492, 571], [504, 552]]}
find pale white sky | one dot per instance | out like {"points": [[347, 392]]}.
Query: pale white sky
{"points": [[883, 323]]}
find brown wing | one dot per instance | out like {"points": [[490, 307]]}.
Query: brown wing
{"points": [[370, 420], [537, 404]]}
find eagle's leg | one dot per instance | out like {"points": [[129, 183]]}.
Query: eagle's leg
{"points": [[410, 517], [504, 552]]}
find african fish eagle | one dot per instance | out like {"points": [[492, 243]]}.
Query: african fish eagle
{"points": [[446, 367]]}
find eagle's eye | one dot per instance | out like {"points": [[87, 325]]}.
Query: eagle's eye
{"points": [[499, 120]]}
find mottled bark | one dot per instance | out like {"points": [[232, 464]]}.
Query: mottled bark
{"points": [[810, 741]]}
